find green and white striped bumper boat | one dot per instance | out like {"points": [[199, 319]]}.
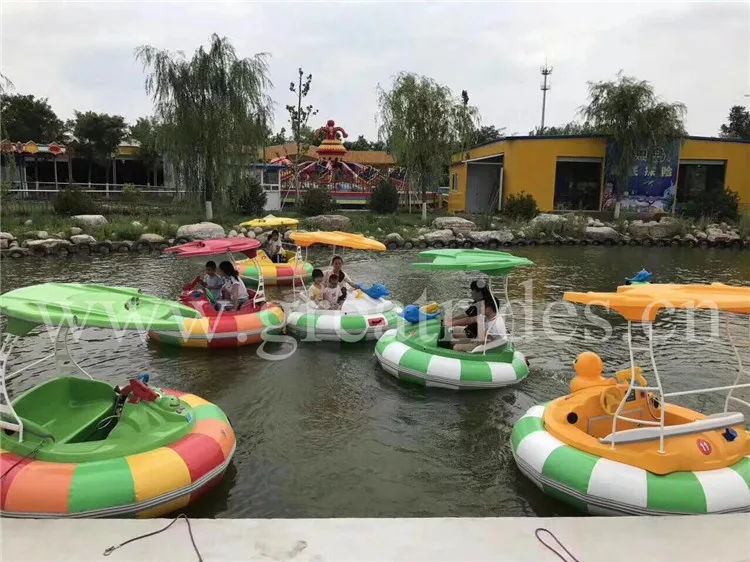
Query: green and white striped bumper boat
{"points": [[347, 325], [445, 368], [603, 487]]}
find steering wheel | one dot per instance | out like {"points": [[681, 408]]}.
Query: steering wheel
{"points": [[610, 399], [625, 375]]}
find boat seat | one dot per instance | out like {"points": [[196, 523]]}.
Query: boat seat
{"points": [[69, 408], [642, 434], [492, 345]]}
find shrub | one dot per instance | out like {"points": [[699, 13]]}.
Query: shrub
{"points": [[73, 201], [521, 206], [714, 204], [317, 201], [249, 197], [131, 194], [384, 198]]}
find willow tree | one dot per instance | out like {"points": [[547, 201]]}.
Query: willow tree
{"points": [[637, 121], [211, 106], [423, 124]]}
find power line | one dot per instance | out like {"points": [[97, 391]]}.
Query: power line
{"points": [[546, 86]]}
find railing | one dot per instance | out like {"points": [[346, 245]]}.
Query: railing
{"points": [[660, 391], [47, 190]]}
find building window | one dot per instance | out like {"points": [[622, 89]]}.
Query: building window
{"points": [[454, 182], [577, 185]]}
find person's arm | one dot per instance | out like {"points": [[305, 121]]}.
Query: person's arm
{"points": [[465, 321], [235, 297], [348, 281]]}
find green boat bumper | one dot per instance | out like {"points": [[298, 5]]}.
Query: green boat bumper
{"points": [[460, 371]]}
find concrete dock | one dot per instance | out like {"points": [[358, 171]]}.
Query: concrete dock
{"points": [[710, 538]]}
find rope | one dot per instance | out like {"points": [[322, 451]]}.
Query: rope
{"points": [[111, 549], [553, 549], [28, 455]]}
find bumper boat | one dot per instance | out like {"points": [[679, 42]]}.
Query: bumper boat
{"points": [[366, 314], [77, 447], [295, 268], [412, 351], [221, 328], [616, 446]]}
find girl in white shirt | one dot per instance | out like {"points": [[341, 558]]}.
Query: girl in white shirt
{"points": [[233, 287]]}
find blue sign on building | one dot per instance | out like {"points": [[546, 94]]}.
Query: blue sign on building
{"points": [[652, 183]]}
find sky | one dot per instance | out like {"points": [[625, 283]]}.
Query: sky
{"points": [[79, 55]]}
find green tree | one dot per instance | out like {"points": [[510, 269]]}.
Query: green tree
{"points": [[146, 133], [487, 134], [738, 126], [299, 114], [635, 118], [360, 144], [572, 128], [26, 118], [279, 138], [5, 83], [422, 123], [211, 106], [96, 136]]}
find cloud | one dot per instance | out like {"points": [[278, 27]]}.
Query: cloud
{"points": [[80, 55]]}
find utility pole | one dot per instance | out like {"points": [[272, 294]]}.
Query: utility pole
{"points": [[546, 71]]}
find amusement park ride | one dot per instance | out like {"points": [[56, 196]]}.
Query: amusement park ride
{"points": [[350, 182]]}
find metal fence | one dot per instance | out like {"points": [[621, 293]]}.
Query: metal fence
{"points": [[48, 190]]}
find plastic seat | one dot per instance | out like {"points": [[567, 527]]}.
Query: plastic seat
{"points": [[67, 407]]}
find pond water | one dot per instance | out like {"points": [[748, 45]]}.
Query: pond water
{"points": [[326, 433]]}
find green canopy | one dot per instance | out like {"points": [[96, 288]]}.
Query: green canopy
{"points": [[485, 261], [74, 304]]}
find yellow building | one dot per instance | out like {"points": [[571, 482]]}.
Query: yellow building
{"points": [[568, 173]]}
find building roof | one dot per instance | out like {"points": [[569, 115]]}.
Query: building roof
{"points": [[366, 157]]}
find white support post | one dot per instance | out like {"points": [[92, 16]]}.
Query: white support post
{"points": [[6, 407], [740, 366], [64, 363], [260, 290]]}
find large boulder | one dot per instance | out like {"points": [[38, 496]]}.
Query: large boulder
{"points": [[547, 218], [83, 239], [486, 236], [90, 221], [444, 236], [455, 224], [201, 231], [602, 233], [394, 237], [47, 244], [151, 238], [4, 243], [716, 234], [329, 222], [7, 236]]}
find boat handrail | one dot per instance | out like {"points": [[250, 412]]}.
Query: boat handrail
{"points": [[661, 431], [641, 434]]}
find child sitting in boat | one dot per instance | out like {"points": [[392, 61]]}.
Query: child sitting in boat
{"points": [[316, 290], [490, 328], [273, 248], [211, 281], [333, 294], [336, 269], [233, 289]]}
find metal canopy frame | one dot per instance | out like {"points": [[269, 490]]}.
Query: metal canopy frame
{"points": [[659, 390]]}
